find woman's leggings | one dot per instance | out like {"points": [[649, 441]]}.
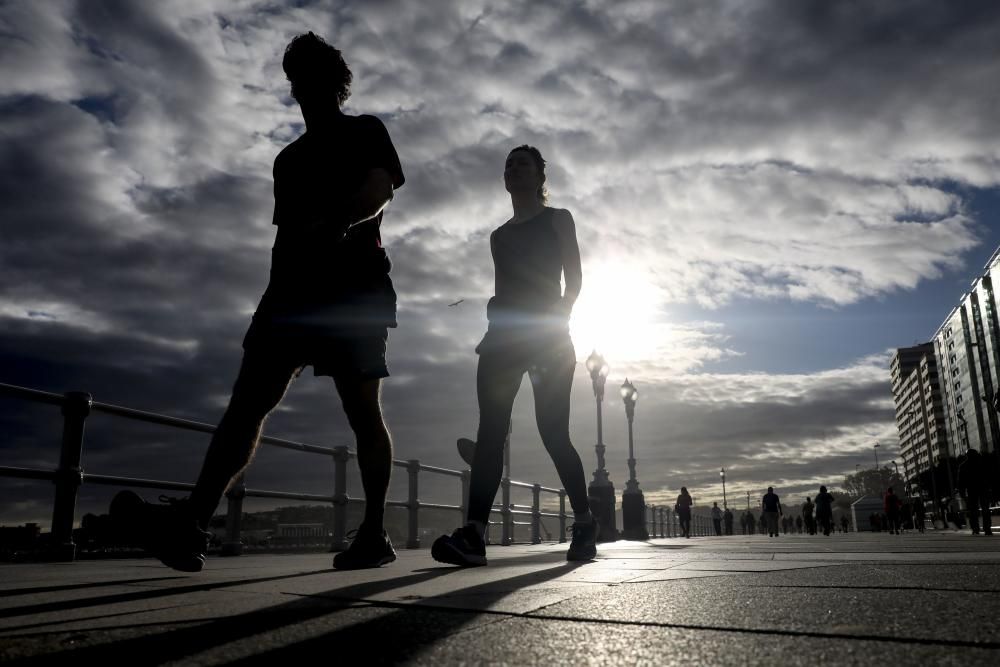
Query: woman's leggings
{"points": [[497, 381]]}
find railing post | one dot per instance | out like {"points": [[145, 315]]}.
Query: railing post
{"points": [[340, 459], [506, 533], [536, 519], [413, 505], [234, 517], [466, 476], [562, 515], [69, 476]]}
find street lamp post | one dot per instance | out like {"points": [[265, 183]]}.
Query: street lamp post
{"points": [[878, 472], [722, 473], [633, 503], [930, 466], [601, 491]]}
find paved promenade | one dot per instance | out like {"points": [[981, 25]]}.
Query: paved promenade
{"points": [[857, 599]]}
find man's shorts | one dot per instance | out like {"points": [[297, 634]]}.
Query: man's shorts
{"points": [[356, 353]]}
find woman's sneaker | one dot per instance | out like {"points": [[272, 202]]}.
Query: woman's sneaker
{"points": [[168, 531], [463, 547], [369, 548], [584, 543]]}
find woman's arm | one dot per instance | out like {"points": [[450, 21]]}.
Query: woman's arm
{"points": [[570, 251]]}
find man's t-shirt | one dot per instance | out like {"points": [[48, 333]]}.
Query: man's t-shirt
{"points": [[824, 504], [314, 263], [771, 502]]}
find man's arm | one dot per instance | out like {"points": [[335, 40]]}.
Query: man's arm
{"points": [[371, 198]]}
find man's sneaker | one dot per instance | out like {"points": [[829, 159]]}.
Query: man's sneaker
{"points": [[369, 548], [584, 543], [168, 531], [463, 547]]}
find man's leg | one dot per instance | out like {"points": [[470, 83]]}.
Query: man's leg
{"points": [[982, 502], [361, 399], [260, 386]]}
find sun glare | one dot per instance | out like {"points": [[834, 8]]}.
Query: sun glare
{"points": [[616, 314]]}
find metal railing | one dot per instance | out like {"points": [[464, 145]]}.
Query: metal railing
{"points": [[663, 522], [69, 476]]}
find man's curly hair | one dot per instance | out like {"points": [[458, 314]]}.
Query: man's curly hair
{"points": [[315, 68]]}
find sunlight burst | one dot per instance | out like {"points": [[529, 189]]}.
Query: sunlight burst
{"points": [[616, 314]]}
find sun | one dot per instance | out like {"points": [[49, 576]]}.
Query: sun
{"points": [[617, 315]]}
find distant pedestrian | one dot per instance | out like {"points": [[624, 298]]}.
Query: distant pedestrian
{"points": [[798, 524], [749, 523], [683, 509], [891, 505], [974, 483], [807, 516], [727, 519], [772, 510], [844, 522], [919, 514], [717, 519], [824, 510]]}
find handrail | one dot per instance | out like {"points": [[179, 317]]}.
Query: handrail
{"points": [[77, 406]]}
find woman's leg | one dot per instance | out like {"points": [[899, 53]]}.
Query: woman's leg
{"points": [[497, 382], [551, 383]]}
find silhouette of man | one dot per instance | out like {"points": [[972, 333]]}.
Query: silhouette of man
{"points": [[974, 482], [891, 505], [772, 510], [727, 519], [824, 510], [807, 515], [919, 514], [717, 519], [328, 304]]}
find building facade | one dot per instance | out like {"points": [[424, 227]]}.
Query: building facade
{"points": [[920, 410], [944, 390], [967, 346]]}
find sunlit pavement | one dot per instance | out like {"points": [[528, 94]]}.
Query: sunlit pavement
{"points": [[930, 599]]}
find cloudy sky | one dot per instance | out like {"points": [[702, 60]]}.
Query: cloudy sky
{"points": [[769, 197]]}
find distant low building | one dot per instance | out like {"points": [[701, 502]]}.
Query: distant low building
{"points": [[291, 531], [862, 509]]}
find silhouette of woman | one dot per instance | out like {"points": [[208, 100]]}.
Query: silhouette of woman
{"points": [[528, 333], [683, 509]]}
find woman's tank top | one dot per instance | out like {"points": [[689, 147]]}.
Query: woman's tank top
{"points": [[528, 265]]}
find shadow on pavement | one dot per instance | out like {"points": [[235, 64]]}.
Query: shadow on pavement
{"points": [[390, 637]]}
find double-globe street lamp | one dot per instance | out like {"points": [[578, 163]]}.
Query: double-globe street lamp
{"points": [[601, 490], [633, 503]]}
